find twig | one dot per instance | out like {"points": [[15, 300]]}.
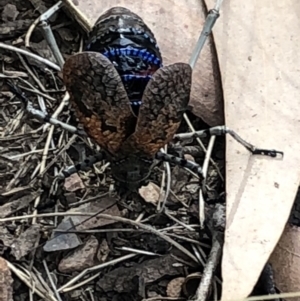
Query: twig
{"points": [[197, 254], [216, 224], [115, 218], [178, 221], [38, 82], [205, 170], [201, 144], [30, 31], [26, 279], [59, 109], [136, 251], [166, 178], [211, 264], [87, 280], [42, 166], [51, 281], [95, 268], [32, 55]]}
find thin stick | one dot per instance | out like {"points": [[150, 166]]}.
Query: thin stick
{"points": [[32, 55], [166, 179], [115, 218], [51, 281]]}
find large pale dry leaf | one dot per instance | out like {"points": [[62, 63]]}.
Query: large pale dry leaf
{"points": [[258, 49], [176, 26], [285, 261]]}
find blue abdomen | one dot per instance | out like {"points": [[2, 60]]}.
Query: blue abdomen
{"points": [[129, 44]]}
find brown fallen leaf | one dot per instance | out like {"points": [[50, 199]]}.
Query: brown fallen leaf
{"points": [[64, 241], [43, 49], [73, 183], [26, 242], [9, 12], [261, 104], [105, 205], [121, 279], [5, 237], [40, 7], [176, 35], [12, 207], [81, 258], [174, 287], [103, 251], [5, 282]]}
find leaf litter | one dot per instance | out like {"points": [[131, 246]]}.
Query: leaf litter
{"points": [[114, 249]]}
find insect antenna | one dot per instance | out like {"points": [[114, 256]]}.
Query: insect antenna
{"points": [[223, 130], [40, 114]]}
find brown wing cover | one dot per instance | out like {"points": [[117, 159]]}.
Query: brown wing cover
{"points": [[99, 98], [164, 101]]}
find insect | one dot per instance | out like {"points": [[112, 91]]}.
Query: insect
{"points": [[127, 102]]}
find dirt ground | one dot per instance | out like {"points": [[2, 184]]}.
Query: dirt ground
{"points": [[77, 239]]}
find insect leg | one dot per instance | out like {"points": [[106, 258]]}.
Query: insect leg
{"points": [[88, 162], [48, 34], [210, 21], [212, 16], [41, 115], [180, 162], [222, 130]]}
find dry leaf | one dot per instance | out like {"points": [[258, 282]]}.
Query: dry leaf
{"points": [[285, 261], [81, 258], [9, 13], [189, 157], [73, 183], [257, 57], [26, 242], [12, 207], [121, 278], [105, 205], [174, 287], [6, 238], [150, 193], [5, 282], [103, 251], [177, 29]]}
